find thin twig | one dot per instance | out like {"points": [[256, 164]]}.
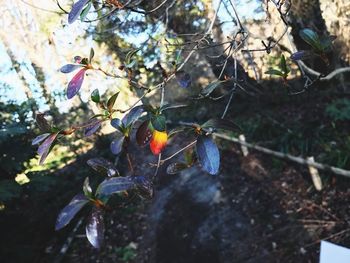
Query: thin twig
{"points": [[287, 156]]}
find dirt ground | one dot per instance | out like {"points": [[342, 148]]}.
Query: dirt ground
{"points": [[257, 209]]}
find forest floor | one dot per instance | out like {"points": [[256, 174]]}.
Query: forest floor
{"points": [[258, 209], [274, 215]]}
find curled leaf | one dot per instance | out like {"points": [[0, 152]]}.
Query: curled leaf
{"points": [[208, 154], [68, 212], [77, 8], [103, 166], [75, 84], [183, 78], [95, 227]]}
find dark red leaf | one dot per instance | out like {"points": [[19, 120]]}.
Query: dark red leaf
{"points": [[40, 138], [45, 147], [144, 186], [175, 168], [93, 126], [42, 123], [95, 227], [115, 185], [78, 59], [75, 84], [103, 166], [68, 212], [143, 134]]}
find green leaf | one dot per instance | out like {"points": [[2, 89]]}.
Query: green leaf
{"points": [[283, 65], [189, 157], [87, 188], [159, 122], [95, 96], [84, 61], [131, 64], [274, 72], [129, 56], [326, 42], [311, 37], [85, 12], [111, 101], [210, 88], [178, 56], [92, 54]]}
